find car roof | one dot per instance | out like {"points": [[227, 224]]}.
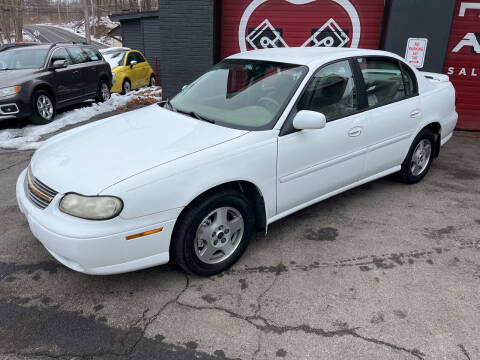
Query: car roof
{"points": [[307, 55], [23, 45]]}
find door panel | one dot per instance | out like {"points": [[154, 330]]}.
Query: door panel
{"points": [[80, 65], [394, 115], [389, 136], [65, 79], [93, 67], [312, 163]]}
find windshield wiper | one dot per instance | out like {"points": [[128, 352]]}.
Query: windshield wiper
{"points": [[196, 116]]}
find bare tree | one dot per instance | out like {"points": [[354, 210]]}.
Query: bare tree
{"points": [[87, 21]]}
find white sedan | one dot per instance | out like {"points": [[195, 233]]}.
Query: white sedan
{"points": [[261, 135]]}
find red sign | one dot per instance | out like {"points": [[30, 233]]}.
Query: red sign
{"points": [[257, 24], [463, 62]]}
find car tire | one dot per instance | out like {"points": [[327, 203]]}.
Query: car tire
{"points": [[419, 158], [227, 219], [153, 81], [126, 86], [43, 108], [103, 92]]}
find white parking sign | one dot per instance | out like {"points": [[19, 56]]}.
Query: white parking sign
{"points": [[415, 53]]}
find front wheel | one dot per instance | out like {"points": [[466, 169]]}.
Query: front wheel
{"points": [[43, 110], [213, 233], [419, 158], [153, 81], [126, 87]]}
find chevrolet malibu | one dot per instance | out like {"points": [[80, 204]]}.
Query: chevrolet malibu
{"points": [[261, 135]]}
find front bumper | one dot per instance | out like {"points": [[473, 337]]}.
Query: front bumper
{"points": [[96, 247], [117, 83]]}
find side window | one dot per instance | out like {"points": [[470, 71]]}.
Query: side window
{"points": [[78, 55], [383, 80], [60, 54], [410, 81], [331, 92], [130, 57], [92, 54], [139, 57]]}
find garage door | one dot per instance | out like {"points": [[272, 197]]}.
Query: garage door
{"points": [[463, 63], [256, 24]]}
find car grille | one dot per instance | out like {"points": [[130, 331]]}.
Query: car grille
{"points": [[38, 193]]}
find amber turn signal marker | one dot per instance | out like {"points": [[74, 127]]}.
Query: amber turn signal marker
{"points": [[149, 232]]}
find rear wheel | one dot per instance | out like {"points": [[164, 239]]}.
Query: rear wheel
{"points": [[43, 111], [419, 158], [153, 81], [126, 87], [103, 92], [213, 233]]}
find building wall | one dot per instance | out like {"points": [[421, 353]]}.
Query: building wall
{"points": [[151, 43], [463, 62], [132, 35], [249, 25], [187, 41], [430, 19]]}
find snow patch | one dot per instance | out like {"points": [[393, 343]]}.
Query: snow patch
{"points": [[28, 138]]}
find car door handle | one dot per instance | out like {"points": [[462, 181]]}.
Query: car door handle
{"points": [[354, 132], [415, 113]]}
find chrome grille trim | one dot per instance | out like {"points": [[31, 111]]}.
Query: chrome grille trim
{"points": [[39, 200]]}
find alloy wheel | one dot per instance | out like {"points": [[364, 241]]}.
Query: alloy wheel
{"points": [[219, 235], [421, 157], [105, 92], [45, 107], [127, 87]]}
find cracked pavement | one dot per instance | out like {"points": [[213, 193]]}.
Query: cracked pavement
{"points": [[384, 271]]}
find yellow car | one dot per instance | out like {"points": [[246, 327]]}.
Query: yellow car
{"points": [[130, 69]]}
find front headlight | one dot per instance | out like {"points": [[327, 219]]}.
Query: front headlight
{"points": [[9, 91], [91, 207]]}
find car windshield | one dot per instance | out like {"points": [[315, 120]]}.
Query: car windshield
{"points": [[243, 94], [114, 57], [23, 58]]}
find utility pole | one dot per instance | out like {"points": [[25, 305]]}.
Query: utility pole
{"points": [[87, 21]]}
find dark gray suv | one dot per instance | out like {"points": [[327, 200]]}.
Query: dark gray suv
{"points": [[36, 80]]}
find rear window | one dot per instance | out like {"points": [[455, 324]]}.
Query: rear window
{"points": [[383, 80]]}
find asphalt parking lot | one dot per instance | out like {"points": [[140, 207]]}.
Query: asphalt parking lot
{"points": [[385, 271]]}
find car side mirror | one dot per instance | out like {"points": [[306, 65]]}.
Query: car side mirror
{"points": [[58, 64], [133, 63], [306, 119], [184, 87]]}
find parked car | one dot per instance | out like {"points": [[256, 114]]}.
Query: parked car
{"points": [[130, 69], [36, 80], [261, 135]]}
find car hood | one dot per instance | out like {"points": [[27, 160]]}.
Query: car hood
{"points": [[15, 77], [91, 158]]}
